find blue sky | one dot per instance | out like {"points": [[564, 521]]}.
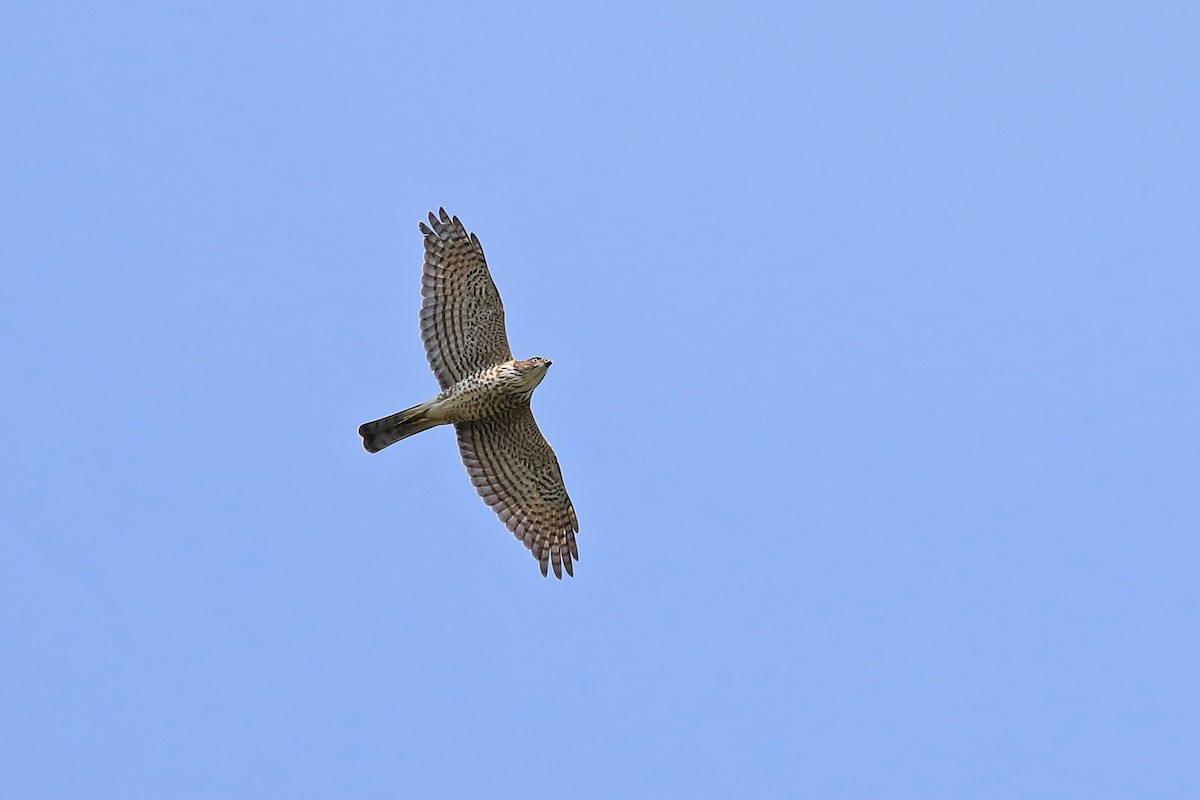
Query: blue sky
{"points": [[875, 387]]}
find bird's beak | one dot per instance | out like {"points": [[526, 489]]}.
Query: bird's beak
{"points": [[549, 362]]}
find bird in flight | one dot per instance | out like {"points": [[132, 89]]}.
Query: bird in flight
{"points": [[485, 395]]}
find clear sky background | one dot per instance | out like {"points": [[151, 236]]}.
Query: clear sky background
{"points": [[875, 386]]}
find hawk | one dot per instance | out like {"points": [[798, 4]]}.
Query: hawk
{"points": [[485, 395]]}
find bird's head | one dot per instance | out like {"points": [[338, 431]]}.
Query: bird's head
{"points": [[533, 370]]}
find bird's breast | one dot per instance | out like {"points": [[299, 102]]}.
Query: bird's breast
{"points": [[484, 394]]}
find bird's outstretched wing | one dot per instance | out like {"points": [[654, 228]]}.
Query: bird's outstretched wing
{"points": [[516, 473], [462, 318]]}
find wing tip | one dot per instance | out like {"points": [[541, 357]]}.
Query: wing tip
{"points": [[557, 553], [443, 224]]}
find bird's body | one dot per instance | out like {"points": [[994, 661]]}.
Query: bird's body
{"points": [[485, 395], [490, 391]]}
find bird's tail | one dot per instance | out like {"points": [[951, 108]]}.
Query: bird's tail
{"points": [[389, 430]]}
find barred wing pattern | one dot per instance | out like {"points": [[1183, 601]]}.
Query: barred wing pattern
{"points": [[516, 473], [462, 318]]}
